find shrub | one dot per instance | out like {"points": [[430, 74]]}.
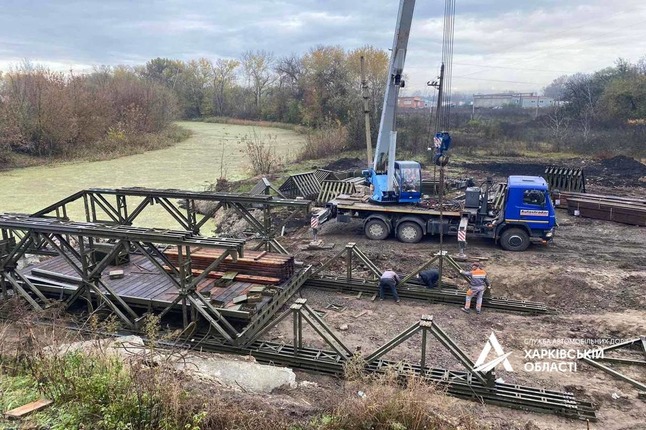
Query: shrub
{"points": [[327, 140], [261, 151], [45, 113]]}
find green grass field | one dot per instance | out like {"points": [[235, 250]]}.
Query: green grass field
{"points": [[189, 165]]}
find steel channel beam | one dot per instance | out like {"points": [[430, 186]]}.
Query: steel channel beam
{"points": [[202, 195], [614, 373], [420, 293]]}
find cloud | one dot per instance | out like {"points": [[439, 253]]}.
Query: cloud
{"points": [[499, 45]]}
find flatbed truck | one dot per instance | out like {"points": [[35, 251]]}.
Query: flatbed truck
{"points": [[513, 214]]}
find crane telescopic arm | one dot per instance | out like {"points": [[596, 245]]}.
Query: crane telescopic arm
{"points": [[394, 181]]}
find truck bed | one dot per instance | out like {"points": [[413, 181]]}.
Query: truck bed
{"points": [[358, 203]]}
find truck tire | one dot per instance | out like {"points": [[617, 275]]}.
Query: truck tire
{"points": [[409, 232], [514, 239], [376, 229]]}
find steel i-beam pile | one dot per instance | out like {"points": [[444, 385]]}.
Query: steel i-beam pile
{"points": [[259, 267], [625, 210]]}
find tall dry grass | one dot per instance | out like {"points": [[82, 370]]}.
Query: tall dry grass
{"points": [[325, 141]]}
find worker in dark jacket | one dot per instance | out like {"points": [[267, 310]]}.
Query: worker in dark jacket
{"points": [[389, 279], [429, 277], [478, 283]]}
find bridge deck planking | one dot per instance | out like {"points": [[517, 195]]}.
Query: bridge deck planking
{"points": [[136, 287]]}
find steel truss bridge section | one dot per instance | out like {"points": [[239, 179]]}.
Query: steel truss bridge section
{"points": [[77, 243], [124, 205], [409, 287], [468, 383]]}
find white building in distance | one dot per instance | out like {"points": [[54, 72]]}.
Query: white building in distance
{"points": [[523, 100]]}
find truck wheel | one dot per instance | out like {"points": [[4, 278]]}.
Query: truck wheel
{"points": [[409, 232], [376, 229], [514, 239]]}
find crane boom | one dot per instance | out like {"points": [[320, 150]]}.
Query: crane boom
{"points": [[394, 82], [394, 181]]}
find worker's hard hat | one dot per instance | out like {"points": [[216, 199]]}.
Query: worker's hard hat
{"points": [[476, 264]]}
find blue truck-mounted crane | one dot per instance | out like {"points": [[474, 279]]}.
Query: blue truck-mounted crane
{"points": [[394, 181], [513, 214]]}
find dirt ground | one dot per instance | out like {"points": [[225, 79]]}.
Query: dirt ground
{"points": [[593, 274]]}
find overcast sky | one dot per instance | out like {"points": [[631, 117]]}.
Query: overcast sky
{"points": [[499, 44]]}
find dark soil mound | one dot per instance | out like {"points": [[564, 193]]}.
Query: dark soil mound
{"points": [[625, 165], [508, 169], [617, 171], [346, 164]]}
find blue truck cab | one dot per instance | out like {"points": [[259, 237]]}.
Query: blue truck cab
{"points": [[528, 213]]}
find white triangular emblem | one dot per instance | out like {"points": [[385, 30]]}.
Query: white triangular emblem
{"points": [[480, 364]]}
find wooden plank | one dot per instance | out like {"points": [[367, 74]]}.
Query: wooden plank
{"points": [[239, 299], [259, 256], [138, 289], [157, 290], [233, 291], [28, 408]]}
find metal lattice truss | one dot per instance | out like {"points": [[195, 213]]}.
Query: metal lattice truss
{"points": [[76, 243], [351, 253], [124, 205], [409, 287], [348, 255], [596, 357], [468, 382]]}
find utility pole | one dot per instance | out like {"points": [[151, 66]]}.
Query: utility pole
{"points": [[366, 111]]}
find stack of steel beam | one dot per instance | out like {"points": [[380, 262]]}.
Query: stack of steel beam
{"points": [[610, 208]]}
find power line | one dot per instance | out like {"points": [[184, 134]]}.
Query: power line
{"points": [[496, 80], [514, 68]]}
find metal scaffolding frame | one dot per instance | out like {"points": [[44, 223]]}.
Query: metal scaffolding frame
{"points": [[113, 206]]}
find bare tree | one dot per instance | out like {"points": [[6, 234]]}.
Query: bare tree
{"points": [[258, 69], [557, 121], [289, 70], [224, 76]]}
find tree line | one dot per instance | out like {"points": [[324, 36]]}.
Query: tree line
{"points": [[315, 89], [53, 114], [602, 112], [607, 107], [48, 113]]}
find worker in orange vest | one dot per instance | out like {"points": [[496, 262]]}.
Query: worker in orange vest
{"points": [[478, 283]]}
